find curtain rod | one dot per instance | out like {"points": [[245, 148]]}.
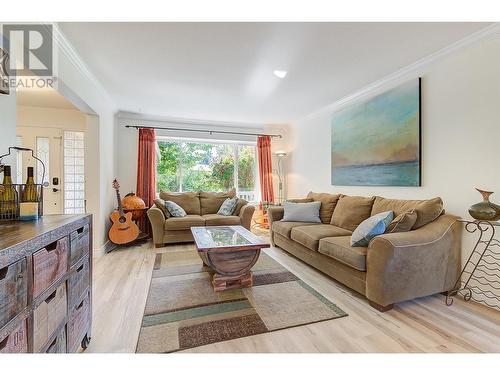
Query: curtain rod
{"points": [[204, 131]]}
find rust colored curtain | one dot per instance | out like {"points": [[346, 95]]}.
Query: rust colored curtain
{"points": [[265, 168], [146, 173]]}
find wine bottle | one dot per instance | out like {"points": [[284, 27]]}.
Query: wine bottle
{"points": [[7, 195], [30, 193], [28, 208]]}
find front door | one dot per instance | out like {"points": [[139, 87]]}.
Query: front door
{"points": [[47, 144]]}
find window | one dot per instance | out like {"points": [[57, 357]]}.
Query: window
{"points": [[74, 173], [197, 166], [247, 173]]}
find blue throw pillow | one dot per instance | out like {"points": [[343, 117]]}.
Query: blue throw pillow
{"points": [[371, 227]]}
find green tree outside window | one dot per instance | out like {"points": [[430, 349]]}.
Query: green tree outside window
{"points": [[185, 166]]}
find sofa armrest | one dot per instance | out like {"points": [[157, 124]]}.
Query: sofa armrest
{"points": [[274, 213], [157, 220], [246, 214], [407, 265]]}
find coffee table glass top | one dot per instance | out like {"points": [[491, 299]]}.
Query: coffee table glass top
{"points": [[226, 236]]}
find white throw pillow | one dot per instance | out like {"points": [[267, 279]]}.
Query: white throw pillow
{"points": [[371, 227], [307, 212]]}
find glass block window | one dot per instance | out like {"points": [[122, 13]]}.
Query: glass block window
{"points": [[42, 153], [74, 173]]}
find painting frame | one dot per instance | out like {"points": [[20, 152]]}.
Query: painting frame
{"points": [[390, 124]]}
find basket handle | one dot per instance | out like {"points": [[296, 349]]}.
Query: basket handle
{"points": [[17, 148], [21, 148]]}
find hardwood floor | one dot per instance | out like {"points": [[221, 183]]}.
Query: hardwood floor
{"points": [[121, 283]]}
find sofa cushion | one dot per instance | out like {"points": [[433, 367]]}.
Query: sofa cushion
{"points": [[328, 202], [285, 227], [216, 219], [300, 200], [303, 212], [183, 223], [427, 210], [211, 201], [351, 211], [310, 235], [190, 202], [403, 222], [339, 248]]}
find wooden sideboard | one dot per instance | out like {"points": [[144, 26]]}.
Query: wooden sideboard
{"points": [[46, 284]]}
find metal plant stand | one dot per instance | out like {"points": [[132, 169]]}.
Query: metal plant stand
{"points": [[480, 278]]}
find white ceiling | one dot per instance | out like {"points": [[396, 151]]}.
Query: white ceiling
{"points": [[223, 71], [43, 98]]}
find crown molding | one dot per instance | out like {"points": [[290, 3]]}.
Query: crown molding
{"points": [[129, 117], [70, 52], [489, 32]]}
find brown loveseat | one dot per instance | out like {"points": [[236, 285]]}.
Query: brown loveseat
{"points": [[201, 209], [394, 267]]}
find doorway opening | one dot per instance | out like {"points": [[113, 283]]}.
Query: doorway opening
{"points": [[56, 131]]}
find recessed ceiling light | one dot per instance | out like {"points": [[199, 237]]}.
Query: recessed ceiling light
{"points": [[280, 73]]}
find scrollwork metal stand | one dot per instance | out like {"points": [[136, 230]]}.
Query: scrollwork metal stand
{"points": [[480, 278]]}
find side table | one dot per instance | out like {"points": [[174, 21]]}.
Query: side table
{"points": [[480, 277]]}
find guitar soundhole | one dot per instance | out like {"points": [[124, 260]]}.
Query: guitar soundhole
{"points": [[122, 219]]}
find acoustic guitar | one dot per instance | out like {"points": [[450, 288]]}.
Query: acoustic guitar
{"points": [[123, 230]]}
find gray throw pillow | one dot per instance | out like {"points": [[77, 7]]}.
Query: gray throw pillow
{"points": [[174, 209], [307, 212], [228, 206], [371, 227]]}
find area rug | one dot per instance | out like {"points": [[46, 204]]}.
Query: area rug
{"points": [[182, 310]]}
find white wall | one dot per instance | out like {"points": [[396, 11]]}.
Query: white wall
{"points": [[45, 117], [7, 126], [460, 135], [92, 177], [76, 79]]}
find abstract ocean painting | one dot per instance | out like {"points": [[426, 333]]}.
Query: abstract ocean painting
{"points": [[377, 142]]}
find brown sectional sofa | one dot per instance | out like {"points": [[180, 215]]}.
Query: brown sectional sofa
{"points": [[201, 209], [394, 267]]}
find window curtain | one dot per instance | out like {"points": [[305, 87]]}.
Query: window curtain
{"points": [[146, 173], [265, 168]]}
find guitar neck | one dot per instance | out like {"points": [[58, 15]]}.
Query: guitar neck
{"points": [[119, 199]]}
